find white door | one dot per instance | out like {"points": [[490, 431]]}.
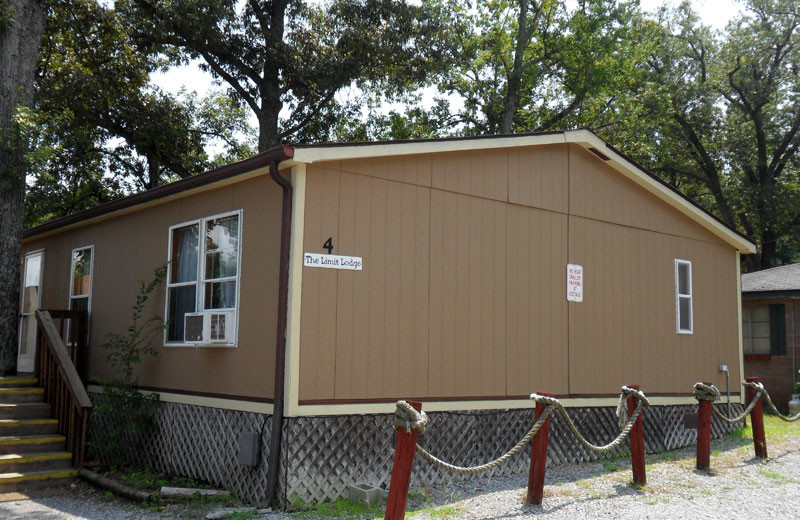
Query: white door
{"points": [[31, 300]]}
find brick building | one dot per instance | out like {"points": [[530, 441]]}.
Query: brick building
{"points": [[770, 310]]}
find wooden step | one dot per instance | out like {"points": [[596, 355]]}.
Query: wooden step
{"points": [[28, 426], [27, 462], [31, 443], [22, 380], [18, 481], [21, 395], [24, 410]]}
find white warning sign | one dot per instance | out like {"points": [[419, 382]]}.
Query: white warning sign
{"points": [[574, 283]]}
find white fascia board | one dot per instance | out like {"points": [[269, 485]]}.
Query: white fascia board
{"points": [[588, 139], [319, 153]]}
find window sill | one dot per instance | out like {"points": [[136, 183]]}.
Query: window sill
{"points": [[195, 345], [757, 357]]}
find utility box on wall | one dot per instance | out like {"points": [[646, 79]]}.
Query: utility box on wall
{"points": [[249, 444]]}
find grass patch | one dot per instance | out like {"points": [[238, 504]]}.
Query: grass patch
{"points": [[774, 475], [705, 492], [340, 508], [445, 511], [610, 467], [775, 430]]}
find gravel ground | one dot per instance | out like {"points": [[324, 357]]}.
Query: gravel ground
{"points": [[739, 487]]}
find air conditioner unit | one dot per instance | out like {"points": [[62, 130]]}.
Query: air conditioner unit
{"points": [[209, 328]]}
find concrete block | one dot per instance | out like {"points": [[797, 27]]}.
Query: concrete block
{"points": [[363, 492]]}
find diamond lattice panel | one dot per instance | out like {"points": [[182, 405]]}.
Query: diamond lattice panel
{"points": [[325, 454], [197, 442], [322, 455]]}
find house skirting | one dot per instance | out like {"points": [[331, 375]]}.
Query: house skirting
{"points": [[320, 456]]}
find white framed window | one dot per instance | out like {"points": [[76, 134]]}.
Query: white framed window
{"points": [[203, 274], [684, 320], [80, 283]]}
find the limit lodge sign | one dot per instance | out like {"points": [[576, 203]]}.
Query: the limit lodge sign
{"points": [[574, 283]]}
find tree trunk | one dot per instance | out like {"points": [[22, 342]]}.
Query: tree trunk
{"points": [[511, 100], [271, 104], [20, 35]]}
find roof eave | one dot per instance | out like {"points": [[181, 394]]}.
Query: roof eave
{"points": [[210, 177]]}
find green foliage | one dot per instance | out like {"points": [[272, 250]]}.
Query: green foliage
{"points": [[340, 508], [102, 129], [716, 114], [127, 413], [287, 61]]}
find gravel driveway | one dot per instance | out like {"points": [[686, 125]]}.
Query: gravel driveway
{"points": [[739, 487]]}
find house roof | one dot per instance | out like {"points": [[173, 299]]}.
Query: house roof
{"points": [[313, 153], [778, 281]]}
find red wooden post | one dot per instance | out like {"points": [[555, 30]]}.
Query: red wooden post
{"points": [[757, 419], [637, 442], [704, 434], [538, 457], [401, 471]]}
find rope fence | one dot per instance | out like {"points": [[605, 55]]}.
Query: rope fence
{"points": [[410, 421]]}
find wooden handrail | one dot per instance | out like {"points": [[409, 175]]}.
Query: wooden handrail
{"points": [[75, 336], [63, 389]]}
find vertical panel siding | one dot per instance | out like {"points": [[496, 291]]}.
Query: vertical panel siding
{"points": [[463, 288], [599, 192], [319, 333], [625, 327], [538, 177], [129, 247], [536, 317]]}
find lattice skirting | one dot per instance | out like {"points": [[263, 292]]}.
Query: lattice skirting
{"points": [[194, 441], [320, 456]]}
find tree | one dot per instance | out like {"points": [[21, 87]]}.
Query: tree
{"points": [[532, 65], [102, 129], [21, 27], [280, 57], [723, 118]]}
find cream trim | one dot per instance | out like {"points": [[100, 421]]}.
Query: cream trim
{"points": [[739, 321], [292, 375], [198, 400], [318, 153], [583, 138], [447, 406]]}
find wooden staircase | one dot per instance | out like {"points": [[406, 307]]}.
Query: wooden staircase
{"points": [[32, 452]]}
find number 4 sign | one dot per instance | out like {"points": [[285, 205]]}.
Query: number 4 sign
{"points": [[574, 283]]}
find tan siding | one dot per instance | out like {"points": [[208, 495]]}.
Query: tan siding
{"points": [[609, 344], [599, 192], [536, 309], [129, 247], [537, 177], [463, 288]]}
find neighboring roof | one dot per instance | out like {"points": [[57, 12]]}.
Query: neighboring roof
{"points": [[289, 155], [783, 280]]}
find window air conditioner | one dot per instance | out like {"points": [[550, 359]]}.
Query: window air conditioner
{"points": [[209, 328]]}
